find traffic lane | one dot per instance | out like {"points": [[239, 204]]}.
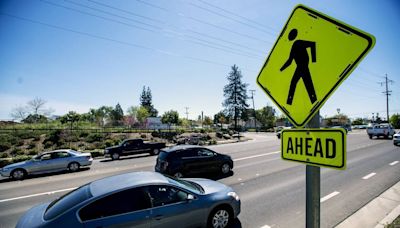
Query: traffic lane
{"points": [[103, 168], [242, 172], [369, 177], [279, 199]]}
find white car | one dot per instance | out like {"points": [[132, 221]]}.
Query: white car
{"points": [[396, 139]]}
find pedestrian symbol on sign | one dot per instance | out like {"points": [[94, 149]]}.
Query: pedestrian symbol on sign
{"points": [[300, 56]]}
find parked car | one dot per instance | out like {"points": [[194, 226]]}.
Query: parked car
{"points": [[185, 160], [133, 146], [343, 127], [396, 139], [385, 130], [52, 161], [139, 199]]}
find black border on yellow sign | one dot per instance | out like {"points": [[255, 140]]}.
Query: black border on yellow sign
{"points": [[343, 133], [343, 27]]}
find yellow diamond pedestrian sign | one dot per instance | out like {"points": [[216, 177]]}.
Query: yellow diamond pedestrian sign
{"points": [[313, 55]]}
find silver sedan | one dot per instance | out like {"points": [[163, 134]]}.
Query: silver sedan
{"points": [[47, 162]]}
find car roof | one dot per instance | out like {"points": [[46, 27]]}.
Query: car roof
{"points": [[180, 147], [126, 180]]}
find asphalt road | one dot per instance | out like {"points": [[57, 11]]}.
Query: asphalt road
{"points": [[272, 190]]}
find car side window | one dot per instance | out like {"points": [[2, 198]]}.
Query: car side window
{"points": [[188, 153], [45, 157], [125, 201], [164, 195], [205, 153]]}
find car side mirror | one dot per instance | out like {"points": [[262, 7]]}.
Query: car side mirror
{"points": [[190, 197]]}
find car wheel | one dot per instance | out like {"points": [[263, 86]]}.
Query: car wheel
{"points": [[18, 174], [370, 136], [220, 218], [114, 156], [73, 166], [178, 175], [155, 152], [225, 168]]}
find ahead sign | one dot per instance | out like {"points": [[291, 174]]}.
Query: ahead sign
{"points": [[319, 147], [313, 55]]}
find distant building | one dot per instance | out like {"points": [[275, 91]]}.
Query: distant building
{"points": [[154, 123]]}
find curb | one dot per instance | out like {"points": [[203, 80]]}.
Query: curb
{"points": [[377, 213]]}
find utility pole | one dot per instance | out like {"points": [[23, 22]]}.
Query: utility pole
{"points": [[252, 97], [387, 93], [187, 113]]}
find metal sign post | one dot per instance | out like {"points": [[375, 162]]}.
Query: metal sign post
{"points": [[313, 187]]}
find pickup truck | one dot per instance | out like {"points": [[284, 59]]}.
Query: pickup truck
{"points": [[133, 146], [385, 130]]}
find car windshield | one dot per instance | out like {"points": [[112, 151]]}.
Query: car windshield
{"points": [[71, 199], [189, 185]]}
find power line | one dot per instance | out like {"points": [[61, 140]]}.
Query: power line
{"points": [[230, 18], [202, 42], [115, 41], [203, 22], [247, 48], [237, 15]]}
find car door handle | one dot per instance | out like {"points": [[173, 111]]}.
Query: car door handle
{"points": [[158, 217]]}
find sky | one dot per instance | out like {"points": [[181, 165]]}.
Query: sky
{"points": [[82, 54]]}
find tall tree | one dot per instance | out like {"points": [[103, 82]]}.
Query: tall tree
{"points": [[146, 100], [117, 115], [395, 120], [235, 93]]}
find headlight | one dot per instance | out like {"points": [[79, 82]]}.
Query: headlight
{"points": [[234, 195]]}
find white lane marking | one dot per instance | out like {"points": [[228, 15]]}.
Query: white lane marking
{"points": [[325, 198], [256, 156], [369, 176], [38, 194], [394, 163], [266, 226]]}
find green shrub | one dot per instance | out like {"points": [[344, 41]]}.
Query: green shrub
{"points": [[54, 137], [143, 136], [31, 145], [8, 139], [109, 142], [97, 153], [99, 145], [83, 134], [48, 144], [94, 137], [16, 151], [5, 161], [4, 146], [33, 152], [4, 155], [20, 143], [155, 134], [212, 142]]}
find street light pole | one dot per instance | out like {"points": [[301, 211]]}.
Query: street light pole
{"points": [[255, 121]]}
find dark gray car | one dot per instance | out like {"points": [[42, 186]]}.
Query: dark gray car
{"points": [[52, 161], [139, 199]]}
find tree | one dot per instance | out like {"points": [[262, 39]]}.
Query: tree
{"points": [[146, 101], [395, 120], [70, 117], [170, 117], [116, 115], [37, 107], [207, 121], [131, 117], [35, 118], [142, 115], [19, 113], [358, 121], [266, 116], [235, 93]]}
